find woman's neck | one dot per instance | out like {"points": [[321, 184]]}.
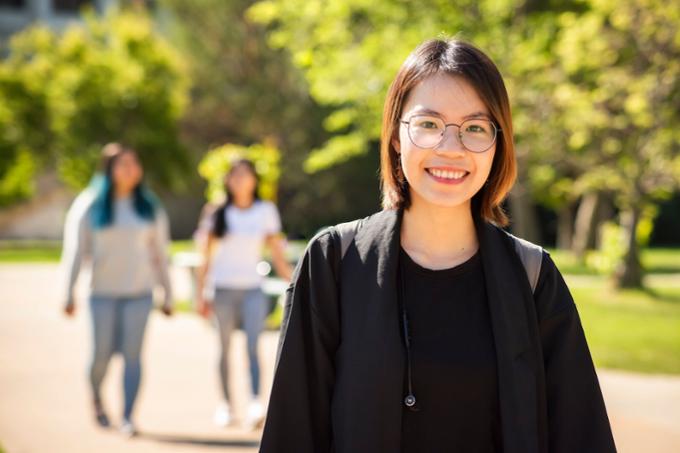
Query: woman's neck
{"points": [[243, 202], [120, 193], [438, 237]]}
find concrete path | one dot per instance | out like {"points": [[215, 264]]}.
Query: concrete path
{"points": [[44, 402]]}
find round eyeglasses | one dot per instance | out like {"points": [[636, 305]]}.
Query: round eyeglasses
{"points": [[476, 135]]}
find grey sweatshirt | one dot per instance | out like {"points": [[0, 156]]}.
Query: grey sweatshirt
{"points": [[128, 258]]}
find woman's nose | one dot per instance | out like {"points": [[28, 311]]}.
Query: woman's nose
{"points": [[451, 142]]}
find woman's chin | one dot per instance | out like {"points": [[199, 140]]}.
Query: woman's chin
{"points": [[442, 200]]}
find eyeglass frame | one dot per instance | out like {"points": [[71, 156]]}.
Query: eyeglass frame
{"points": [[460, 138]]}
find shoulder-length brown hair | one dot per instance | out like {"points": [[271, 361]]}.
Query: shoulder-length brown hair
{"points": [[457, 58]]}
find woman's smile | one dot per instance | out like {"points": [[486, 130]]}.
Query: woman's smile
{"points": [[447, 175]]}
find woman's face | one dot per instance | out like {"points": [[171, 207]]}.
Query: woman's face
{"points": [[127, 171], [448, 174], [242, 182]]}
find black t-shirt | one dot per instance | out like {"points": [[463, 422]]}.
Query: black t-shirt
{"points": [[453, 360]]}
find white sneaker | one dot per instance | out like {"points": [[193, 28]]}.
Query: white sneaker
{"points": [[127, 428], [223, 415], [255, 415]]}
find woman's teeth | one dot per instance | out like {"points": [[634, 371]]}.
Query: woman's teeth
{"points": [[447, 174]]}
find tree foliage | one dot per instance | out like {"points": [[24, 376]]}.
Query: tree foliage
{"points": [[64, 96], [217, 163], [245, 92], [593, 83]]}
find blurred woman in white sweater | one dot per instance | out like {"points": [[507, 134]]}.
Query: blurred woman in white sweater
{"points": [[120, 229]]}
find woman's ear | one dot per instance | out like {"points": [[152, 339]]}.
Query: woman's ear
{"points": [[396, 144]]}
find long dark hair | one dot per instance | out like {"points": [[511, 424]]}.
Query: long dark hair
{"points": [[220, 226], [102, 214]]}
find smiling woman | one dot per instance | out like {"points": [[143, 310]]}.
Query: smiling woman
{"points": [[465, 88], [425, 326]]}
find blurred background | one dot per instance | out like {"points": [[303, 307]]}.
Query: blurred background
{"points": [[297, 86]]}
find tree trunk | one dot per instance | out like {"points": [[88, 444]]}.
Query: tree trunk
{"points": [[523, 214], [565, 226], [605, 212], [585, 224], [629, 273]]}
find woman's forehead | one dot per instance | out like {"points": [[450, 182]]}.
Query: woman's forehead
{"points": [[451, 97], [241, 169], [128, 157]]}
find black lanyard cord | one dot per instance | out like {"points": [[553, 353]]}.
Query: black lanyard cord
{"points": [[410, 399]]}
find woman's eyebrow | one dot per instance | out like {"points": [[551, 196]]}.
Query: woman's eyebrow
{"points": [[476, 115], [426, 111]]}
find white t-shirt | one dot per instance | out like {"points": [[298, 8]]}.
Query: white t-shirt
{"points": [[235, 259]]}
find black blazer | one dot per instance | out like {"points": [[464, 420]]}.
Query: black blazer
{"points": [[339, 379]]}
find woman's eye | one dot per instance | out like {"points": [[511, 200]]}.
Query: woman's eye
{"points": [[476, 128], [427, 125]]}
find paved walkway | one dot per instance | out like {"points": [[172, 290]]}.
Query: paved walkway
{"points": [[44, 400]]}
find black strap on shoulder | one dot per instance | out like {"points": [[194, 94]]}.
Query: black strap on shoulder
{"points": [[531, 256]]}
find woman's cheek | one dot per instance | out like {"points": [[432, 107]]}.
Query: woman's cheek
{"points": [[485, 168], [409, 165]]}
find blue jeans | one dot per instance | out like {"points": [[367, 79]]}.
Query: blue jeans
{"points": [[231, 306], [118, 325]]}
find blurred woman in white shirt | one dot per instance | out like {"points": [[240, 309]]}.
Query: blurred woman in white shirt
{"points": [[229, 284]]}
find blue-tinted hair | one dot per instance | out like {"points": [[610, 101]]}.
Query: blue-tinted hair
{"points": [[102, 215]]}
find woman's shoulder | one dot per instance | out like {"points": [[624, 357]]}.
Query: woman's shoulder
{"points": [[266, 208], [344, 232], [355, 224], [552, 294], [82, 205], [323, 240], [326, 238], [265, 204]]}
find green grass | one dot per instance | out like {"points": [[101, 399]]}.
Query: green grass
{"points": [[567, 262], [655, 261], [661, 260], [29, 251], [182, 246], [636, 330], [184, 306], [50, 251]]}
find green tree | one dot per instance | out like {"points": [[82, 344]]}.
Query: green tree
{"points": [[351, 50], [110, 78], [619, 103], [217, 162], [593, 83], [246, 92], [23, 112]]}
